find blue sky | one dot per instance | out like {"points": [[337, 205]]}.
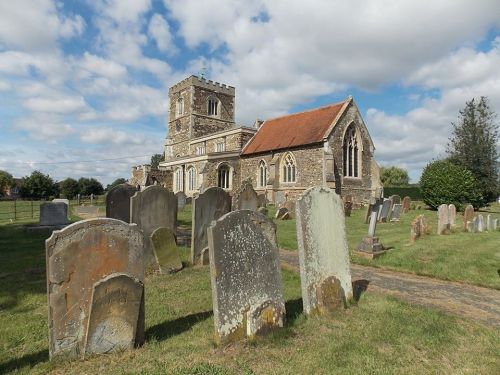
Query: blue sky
{"points": [[83, 82]]}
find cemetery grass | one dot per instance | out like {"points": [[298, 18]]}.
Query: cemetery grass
{"points": [[472, 258], [379, 335]]}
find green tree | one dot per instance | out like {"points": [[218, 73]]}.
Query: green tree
{"points": [[69, 188], [473, 145], [443, 182], [88, 186], [6, 181], [38, 185], [394, 176], [118, 181], [156, 159]]}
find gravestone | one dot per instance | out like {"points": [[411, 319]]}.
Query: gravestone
{"points": [[471, 226], [396, 212], [489, 222], [452, 214], [205, 257], [406, 204], [496, 224], [118, 202], [63, 200], [165, 249], [468, 214], [150, 209], [79, 257], [418, 227], [443, 225], [246, 198], [262, 199], [114, 313], [374, 206], [323, 253], [474, 225], [290, 206], [207, 207], [395, 199], [347, 209], [181, 200], [245, 273], [480, 223], [385, 210], [279, 197], [281, 213], [53, 214], [370, 244]]}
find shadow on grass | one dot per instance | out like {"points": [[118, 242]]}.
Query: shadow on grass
{"points": [[358, 288], [27, 360], [175, 327], [293, 309]]}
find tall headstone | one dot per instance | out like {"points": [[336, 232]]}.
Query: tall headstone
{"points": [[80, 258], [396, 212], [385, 210], [489, 222], [165, 250], [118, 202], [245, 273], [443, 226], [323, 253], [207, 207], [150, 209], [468, 215], [452, 215], [53, 214], [181, 200], [480, 223], [406, 204], [246, 198]]}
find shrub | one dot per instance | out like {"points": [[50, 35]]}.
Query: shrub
{"points": [[444, 183], [413, 191]]}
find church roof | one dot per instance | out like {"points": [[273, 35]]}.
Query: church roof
{"points": [[294, 130]]}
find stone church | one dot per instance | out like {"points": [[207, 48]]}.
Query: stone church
{"points": [[282, 157]]}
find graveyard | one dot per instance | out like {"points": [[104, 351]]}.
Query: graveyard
{"points": [[378, 333]]}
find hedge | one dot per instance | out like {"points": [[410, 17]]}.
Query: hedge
{"points": [[413, 191]]}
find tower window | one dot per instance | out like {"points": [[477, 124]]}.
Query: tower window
{"points": [[213, 107], [180, 107]]}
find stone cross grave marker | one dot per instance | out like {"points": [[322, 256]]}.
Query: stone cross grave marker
{"points": [[452, 215], [165, 250], [385, 211], [246, 198], [207, 207], [245, 273], [373, 206], [406, 204], [370, 246], [468, 215], [53, 214], [325, 274], [118, 202], [181, 200], [80, 259], [396, 212], [443, 226], [150, 209]]}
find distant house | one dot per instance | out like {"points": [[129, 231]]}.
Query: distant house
{"points": [[12, 192], [328, 146]]}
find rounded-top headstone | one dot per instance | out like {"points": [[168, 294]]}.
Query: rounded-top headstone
{"points": [[118, 202]]}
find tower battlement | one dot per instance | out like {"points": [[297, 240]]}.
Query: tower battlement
{"points": [[203, 83]]}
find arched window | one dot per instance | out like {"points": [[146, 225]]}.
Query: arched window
{"points": [[179, 107], [288, 168], [224, 176], [351, 153], [213, 106], [191, 179], [179, 179], [262, 174]]}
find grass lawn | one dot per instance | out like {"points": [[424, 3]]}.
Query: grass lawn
{"points": [[380, 335]]}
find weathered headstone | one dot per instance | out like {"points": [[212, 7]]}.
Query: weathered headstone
{"points": [[246, 198], [385, 211], [290, 206], [165, 250], [153, 208], [480, 223], [395, 199], [471, 226], [323, 253], [489, 222], [496, 224], [452, 214], [370, 246], [262, 199], [181, 200], [246, 280], [114, 314], [474, 225], [406, 204], [207, 207], [418, 227], [443, 225], [468, 215], [78, 258], [281, 212], [396, 212], [118, 202], [63, 200], [53, 214], [347, 209]]}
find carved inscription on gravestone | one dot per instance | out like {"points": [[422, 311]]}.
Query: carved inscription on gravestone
{"points": [[118, 202]]}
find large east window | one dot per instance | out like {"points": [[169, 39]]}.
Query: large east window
{"points": [[351, 153], [289, 168]]}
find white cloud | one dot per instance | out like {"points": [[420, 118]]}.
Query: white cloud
{"points": [[71, 26], [65, 105], [4, 86], [111, 136], [159, 30], [45, 128], [95, 65]]}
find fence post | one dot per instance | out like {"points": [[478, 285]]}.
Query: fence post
{"points": [[15, 213], [32, 213]]}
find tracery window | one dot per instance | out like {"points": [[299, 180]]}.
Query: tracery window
{"points": [[262, 173], [179, 179], [191, 179], [351, 153], [289, 168]]}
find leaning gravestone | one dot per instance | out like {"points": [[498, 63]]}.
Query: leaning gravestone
{"points": [[385, 210], [374, 206], [181, 200], [282, 213], [468, 215], [370, 246], [165, 250], [118, 202], [245, 272], [246, 198], [443, 225], [207, 207], [82, 261], [325, 275], [406, 204], [54, 214], [395, 199], [153, 208], [396, 212], [452, 214]]}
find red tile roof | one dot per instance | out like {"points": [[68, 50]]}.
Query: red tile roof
{"points": [[298, 129]]}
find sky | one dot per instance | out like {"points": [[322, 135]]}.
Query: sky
{"points": [[84, 84]]}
